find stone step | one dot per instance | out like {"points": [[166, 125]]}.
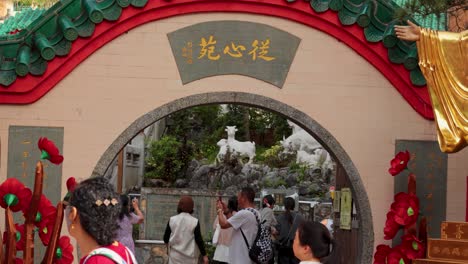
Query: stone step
{"points": [[454, 230], [455, 250], [437, 261]]}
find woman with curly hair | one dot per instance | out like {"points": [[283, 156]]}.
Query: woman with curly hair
{"points": [[92, 219]]}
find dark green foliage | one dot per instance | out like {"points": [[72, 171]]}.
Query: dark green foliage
{"points": [[301, 170], [167, 158], [209, 247], [205, 126], [275, 157], [194, 133]]}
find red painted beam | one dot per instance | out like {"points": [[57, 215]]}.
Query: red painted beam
{"points": [[31, 88]]}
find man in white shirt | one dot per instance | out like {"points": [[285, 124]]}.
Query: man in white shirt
{"points": [[244, 220]]}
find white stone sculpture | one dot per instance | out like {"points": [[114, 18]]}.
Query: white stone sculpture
{"points": [[319, 159], [295, 128], [301, 140], [239, 148], [222, 144]]}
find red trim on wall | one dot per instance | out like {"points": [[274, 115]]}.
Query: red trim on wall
{"points": [[31, 88]]}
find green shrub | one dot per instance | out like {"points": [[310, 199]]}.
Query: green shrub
{"points": [[275, 157], [167, 157], [301, 170]]}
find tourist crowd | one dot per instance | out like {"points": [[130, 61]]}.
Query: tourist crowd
{"points": [[101, 222]]}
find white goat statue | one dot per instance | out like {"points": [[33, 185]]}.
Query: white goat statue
{"points": [[319, 159], [223, 147], [240, 149], [301, 140]]}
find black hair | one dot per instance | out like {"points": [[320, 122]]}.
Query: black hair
{"points": [[248, 193], [125, 211], [289, 205], [99, 221], [270, 200], [318, 238], [232, 204]]}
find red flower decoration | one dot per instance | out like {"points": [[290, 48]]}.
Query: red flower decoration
{"points": [[406, 208], [18, 261], [45, 213], [15, 195], [391, 227], [20, 238], [49, 151], [64, 253], [412, 247], [45, 232], [381, 253], [399, 163], [396, 256], [71, 184]]}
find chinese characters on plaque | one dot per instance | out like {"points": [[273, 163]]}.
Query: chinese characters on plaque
{"points": [[233, 47], [23, 154], [429, 165], [208, 50]]}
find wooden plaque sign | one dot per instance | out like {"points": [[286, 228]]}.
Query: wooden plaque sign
{"points": [[233, 47], [447, 249], [454, 230]]}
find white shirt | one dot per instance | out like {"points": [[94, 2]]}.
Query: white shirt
{"points": [[238, 251], [309, 262]]}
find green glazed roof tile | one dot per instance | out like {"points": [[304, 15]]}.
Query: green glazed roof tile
{"points": [[34, 36], [320, 5], [336, 5], [45, 34], [347, 17], [417, 78], [355, 6]]}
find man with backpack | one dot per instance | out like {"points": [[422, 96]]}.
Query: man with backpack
{"points": [[251, 241]]}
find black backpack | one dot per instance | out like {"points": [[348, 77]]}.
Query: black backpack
{"points": [[261, 250]]}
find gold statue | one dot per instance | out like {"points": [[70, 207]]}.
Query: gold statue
{"points": [[443, 60]]}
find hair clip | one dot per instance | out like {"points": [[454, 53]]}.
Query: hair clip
{"points": [[107, 202], [114, 201]]}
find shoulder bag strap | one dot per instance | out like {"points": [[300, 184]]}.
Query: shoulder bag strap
{"points": [[290, 228], [242, 232], [245, 239]]}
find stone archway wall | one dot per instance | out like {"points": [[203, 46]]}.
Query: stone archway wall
{"points": [[366, 232]]}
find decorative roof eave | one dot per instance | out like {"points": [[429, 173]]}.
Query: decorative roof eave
{"points": [[92, 36]]}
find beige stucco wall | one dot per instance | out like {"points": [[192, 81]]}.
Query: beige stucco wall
{"points": [[136, 73]]}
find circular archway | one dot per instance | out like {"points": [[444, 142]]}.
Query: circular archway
{"points": [[365, 233]]}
